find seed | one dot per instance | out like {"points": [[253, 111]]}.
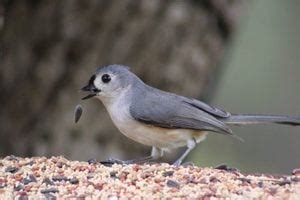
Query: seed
{"points": [[113, 174], [49, 196], [11, 169], [29, 179], [74, 180], [173, 184], [23, 197], [48, 181], [59, 178], [78, 112], [50, 190], [296, 172], [92, 161], [284, 182], [18, 187], [168, 173]]}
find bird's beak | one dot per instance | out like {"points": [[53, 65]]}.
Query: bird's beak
{"points": [[87, 88], [90, 88]]}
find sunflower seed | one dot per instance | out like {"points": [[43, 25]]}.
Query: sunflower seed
{"points": [[78, 112]]}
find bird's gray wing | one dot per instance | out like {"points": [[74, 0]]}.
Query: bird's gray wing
{"points": [[167, 110], [207, 108]]}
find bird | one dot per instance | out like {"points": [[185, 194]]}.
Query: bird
{"points": [[160, 119]]}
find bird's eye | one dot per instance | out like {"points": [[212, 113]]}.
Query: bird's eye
{"points": [[105, 78]]}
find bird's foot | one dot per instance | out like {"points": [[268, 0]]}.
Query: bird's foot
{"points": [[188, 164], [178, 163]]}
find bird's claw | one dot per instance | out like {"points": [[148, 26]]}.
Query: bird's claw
{"points": [[186, 164]]}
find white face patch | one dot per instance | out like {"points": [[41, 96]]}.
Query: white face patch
{"points": [[98, 82], [110, 89]]}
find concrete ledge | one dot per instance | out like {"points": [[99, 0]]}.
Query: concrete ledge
{"points": [[57, 177]]}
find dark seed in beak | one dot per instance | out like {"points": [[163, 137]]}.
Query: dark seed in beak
{"points": [[90, 88], [88, 96]]}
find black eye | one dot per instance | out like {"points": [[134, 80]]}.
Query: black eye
{"points": [[105, 78]]}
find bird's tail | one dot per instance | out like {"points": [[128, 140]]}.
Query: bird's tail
{"points": [[262, 119]]}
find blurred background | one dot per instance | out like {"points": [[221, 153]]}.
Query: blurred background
{"points": [[241, 56], [261, 75]]}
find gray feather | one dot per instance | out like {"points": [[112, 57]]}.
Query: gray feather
{"points": [[167, 110], [263, 119], [207, 108]]}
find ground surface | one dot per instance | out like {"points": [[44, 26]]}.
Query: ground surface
{"points": [[59, 178]]}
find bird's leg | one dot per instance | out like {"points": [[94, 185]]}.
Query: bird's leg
{"points": [[191, 144], [155, 154]]}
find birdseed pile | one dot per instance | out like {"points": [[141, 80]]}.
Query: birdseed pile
{"points": [[59, 178]]}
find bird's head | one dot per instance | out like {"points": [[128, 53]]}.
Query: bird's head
{"points": [[107, 83]]}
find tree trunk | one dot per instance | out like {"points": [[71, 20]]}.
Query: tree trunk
{"points": [[50, 48]]}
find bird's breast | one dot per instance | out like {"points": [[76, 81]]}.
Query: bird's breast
{"points": [[148, 134]]}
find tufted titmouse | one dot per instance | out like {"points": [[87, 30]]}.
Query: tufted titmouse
{"points": [[161, 119]]}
